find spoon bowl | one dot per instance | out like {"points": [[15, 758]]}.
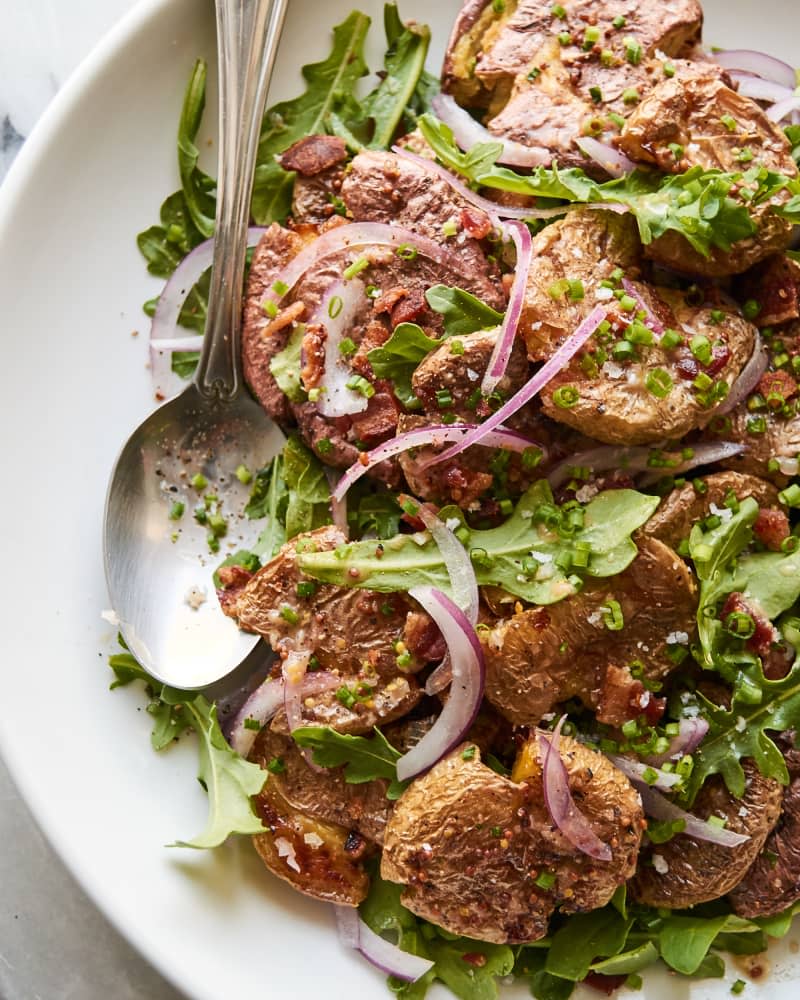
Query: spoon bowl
{"points": [[177, 494]]}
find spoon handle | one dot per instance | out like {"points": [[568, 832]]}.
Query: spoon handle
{"points": [[248, 32]]}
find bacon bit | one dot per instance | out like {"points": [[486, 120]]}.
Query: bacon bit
{"points": [[720, 356], [313, 355], [409, 309], [423, 638], [387, 300], [291, 314], [654, 710], [378, 421], [474, 958], [464, 485], [476, 223], [765, 634], [604, 984], [779, 382], [771, 528], [313, 154]]}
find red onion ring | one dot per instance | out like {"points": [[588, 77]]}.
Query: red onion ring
{"points": [[652, 320], [635, 770], [493, 209], [760, 90], [687, 741], [659, 808], [435, 435], [350, 236], [335, 399], [338, 507], [758, 63], [636, 459], [354, 933], [265, 701], [783, 108], [611, 160], [549, 369], [294, 671], [748, 379], [466, 689], [467, 133], [163, 341], [501, 354], [558, 799], [457, 562]]}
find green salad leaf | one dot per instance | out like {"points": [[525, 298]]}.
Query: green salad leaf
{"points": [[229, 779], [307, 487], [527, 555], [285, 367], [584, 938], [463, 313], [199, 190], [363, 758], [699, 204], [375, 513], [269, 498], [399, 357]]}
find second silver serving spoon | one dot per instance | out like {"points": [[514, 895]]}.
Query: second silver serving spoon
{"points": [[159, 571]]}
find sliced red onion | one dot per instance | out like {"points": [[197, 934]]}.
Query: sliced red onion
{"points": [[432, 436], [294, 672], [662, 809], [504, 344], [690, 735], [636, 771], [457, 563], [354, 933], [651, 319], [351, 236], [493, 209], [337, 313], [784, 108], [466, 689], [759, 63], [748, 379], [549, 369], [265, 701], [760, 90], [611, 160], [338, 507], [163, 341], [637, 459], [558, 799], [467, 133]]}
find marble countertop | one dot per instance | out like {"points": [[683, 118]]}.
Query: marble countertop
{"points": [[54, 943]]}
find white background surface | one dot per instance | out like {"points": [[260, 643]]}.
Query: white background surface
{"points": [[54, 944]]}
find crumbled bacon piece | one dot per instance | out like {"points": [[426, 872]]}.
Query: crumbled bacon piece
{"points": [[779, 382], [313, 154], [409, 308], [378, 421], [771, 528], [465, 485], [387, 300], [423, 638], [313, 355], [765, 633], [476, 223]]}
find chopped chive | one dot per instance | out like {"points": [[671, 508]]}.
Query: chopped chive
{"points": [[565, 38], [633, 50], [335, 306], [280, 287], [359, 384], [355, 268], [596, 94], [449, 228], [729, 122], [545, 880], [406, 252], [566, 396], [612, 616], [270, 308], [306, 588], [176, 510], [630, 95], [347, 346], [199, 481], [619, 21], [659, 383]]}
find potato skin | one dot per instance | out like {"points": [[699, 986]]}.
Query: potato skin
{"points": [[698, 871], [469, 844]]}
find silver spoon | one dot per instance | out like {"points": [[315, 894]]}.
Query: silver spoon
{"points": [[159, 571]]}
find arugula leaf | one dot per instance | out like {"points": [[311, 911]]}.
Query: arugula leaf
{"points": [[383, 108], [376, 514], [626, 962], [463, 313], [328, 84], [398, 358], [285, 367], [684, 942], [697, 204], [741, 731], [245, 558], [269, 498], [777, 926], [384, 913], [307, 487], [521, 555], [229, 779], [363, 759], [585, 937], [199, 190]]}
